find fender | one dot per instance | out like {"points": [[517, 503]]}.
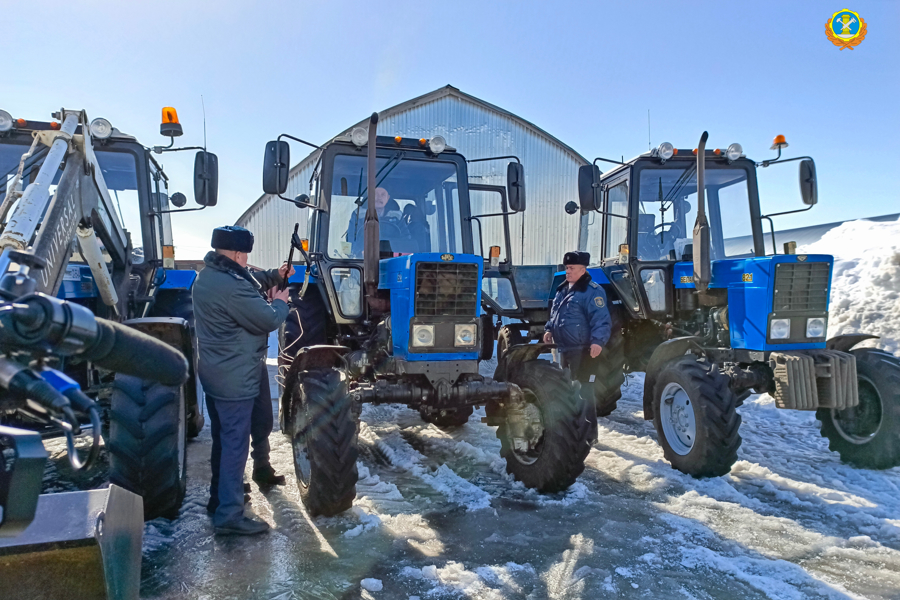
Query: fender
{"points": [[519, 354], [319, 357], [843, 343], [665, 352]]}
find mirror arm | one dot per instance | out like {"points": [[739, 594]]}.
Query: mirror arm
{"points": [[500, 214], [290, 137], [515, 158], [615, 162], [169, 148], [766, 163], [179, 210], [787, 212]]}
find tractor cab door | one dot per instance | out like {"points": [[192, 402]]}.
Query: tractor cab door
{"points": [[616, 243], [490, 232]]}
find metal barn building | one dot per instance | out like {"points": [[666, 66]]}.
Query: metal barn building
{"points": [[476, 129]]}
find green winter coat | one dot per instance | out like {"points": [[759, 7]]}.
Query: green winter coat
{"points": [[233, 323]]}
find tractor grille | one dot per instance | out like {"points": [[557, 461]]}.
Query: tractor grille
{"points": [[801, 287], [446, 289]]}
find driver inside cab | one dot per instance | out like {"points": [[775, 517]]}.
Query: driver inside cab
{"points": [[390, 218]]}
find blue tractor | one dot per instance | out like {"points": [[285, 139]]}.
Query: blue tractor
{"points": [[709, 308], [387, 307]]}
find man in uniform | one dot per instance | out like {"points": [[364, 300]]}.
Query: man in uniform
{"points": [[579, 323], [233, 323]]}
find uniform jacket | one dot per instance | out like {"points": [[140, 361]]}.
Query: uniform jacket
{"points": [[233, 324], [579, 316]]}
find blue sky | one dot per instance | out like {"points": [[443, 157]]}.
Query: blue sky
{"points": [[586, 72]]}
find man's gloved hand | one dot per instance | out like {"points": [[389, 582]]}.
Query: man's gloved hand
{"points": [[286, 270], [548, 337], [595, 350]]}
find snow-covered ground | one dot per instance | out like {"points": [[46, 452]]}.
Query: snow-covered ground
{"points": [[865, 289], [436, 515]]}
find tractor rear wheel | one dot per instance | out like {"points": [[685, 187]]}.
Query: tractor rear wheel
{"points": [[696, 418], [507, 338], [450, 418], [868, 435], [147, 443], [555, 428], [324, 441], [610, 374]]}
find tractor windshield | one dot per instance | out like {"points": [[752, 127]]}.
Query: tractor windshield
{"points": [[668, 208], [417, 203]]}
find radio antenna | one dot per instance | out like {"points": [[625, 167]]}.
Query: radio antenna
{"points": [[648, 129]]}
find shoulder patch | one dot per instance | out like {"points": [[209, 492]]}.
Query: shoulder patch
{"points": [[594, 284], [599, 302]]}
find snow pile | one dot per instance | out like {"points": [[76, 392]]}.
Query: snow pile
{"points": [[373, 585], [865, 289]]}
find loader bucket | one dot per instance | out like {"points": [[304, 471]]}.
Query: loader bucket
{"points": [[80, 545]]}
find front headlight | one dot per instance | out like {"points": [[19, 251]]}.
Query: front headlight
{"points": [[423, 335], [780, 329], [101, 128], [359, 136], [6, 121], [815, 327], [464, 335], [437, 144]]}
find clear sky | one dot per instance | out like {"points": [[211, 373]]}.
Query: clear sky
{"points": [[586, 72]]}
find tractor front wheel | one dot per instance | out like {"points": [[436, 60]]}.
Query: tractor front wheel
{"points": [[696, 418], [324, 441], [546, 438], [868, 435]]}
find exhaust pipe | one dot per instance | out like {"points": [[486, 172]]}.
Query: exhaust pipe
{"points": [[372, 228], [702, 266]]}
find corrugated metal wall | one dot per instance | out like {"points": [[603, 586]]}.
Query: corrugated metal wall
{"points": [[540, 236]]}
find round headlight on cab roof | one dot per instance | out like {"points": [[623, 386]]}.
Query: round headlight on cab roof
{"points": [[359, 136], [437, 144], [6, 121], [734, 152], [101, 128], [665, 151]]}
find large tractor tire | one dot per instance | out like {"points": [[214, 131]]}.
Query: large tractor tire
{"points": [[450, 418], [868, 435], [610, 374], [507, 338], [324, 441], [147, 443], [696, 418], [561, 427]]}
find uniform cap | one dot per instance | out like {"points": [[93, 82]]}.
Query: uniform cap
{"points": [[231, 237], [577, 258]]}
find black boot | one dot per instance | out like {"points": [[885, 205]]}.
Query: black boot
{"points": [[266, 475]]}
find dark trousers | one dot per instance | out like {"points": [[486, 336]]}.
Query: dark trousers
{"points": [[260, 426], [230, 425], [583, 369]]}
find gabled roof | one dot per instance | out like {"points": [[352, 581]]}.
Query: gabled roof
{"points": [[447, 90]]}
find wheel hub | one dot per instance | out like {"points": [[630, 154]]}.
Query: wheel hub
{"points": [[525, 428], [677, 417], [858, 425]]}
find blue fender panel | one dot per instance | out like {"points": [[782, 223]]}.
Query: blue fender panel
{"points": [[176, 279]]}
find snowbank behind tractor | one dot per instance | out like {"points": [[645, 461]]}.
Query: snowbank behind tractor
{"points": [[711, 311], [387, 307]]}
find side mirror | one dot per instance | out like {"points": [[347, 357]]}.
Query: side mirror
{"points": [[206, 178], [178, 199], [515, 186], [275, 167], [589, 187], [571, 207], [302, 201], [809, 189]]}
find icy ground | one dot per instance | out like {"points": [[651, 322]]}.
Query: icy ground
{"points": [[437, 517]]}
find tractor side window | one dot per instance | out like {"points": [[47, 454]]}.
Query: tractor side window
{"points": [[120, 174], [349, 290], [616, 226], [592, 227], [488, 202], [654, 281]]}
